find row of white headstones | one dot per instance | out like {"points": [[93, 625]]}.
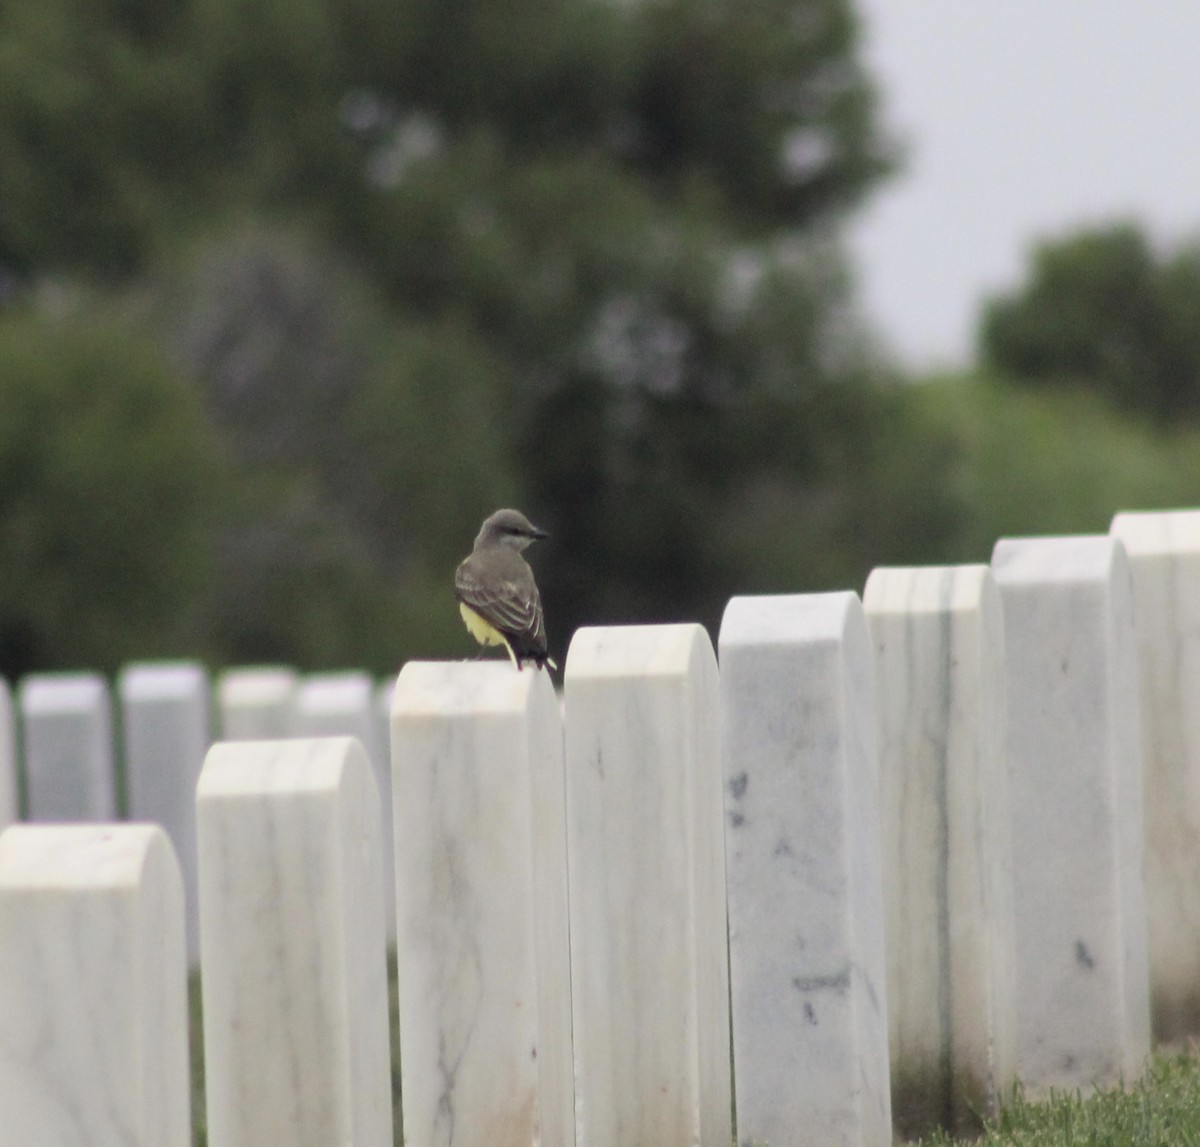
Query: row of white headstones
{"points": [[914, 819], [166, 716]]}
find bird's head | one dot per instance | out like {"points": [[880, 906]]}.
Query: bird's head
{"points": [[508, 528]]}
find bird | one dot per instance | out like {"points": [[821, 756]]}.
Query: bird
{"points": [[497, 596]]}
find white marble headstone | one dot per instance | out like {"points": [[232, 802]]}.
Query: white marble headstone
{"points": [[806, 937], [93, 989], [938, 634], [1164, 559], [294, 981], [1075, 774], [649, 961], [9, 798], [166, 726], [481, 885], [345, 705], [255, 702], [67, 724]]}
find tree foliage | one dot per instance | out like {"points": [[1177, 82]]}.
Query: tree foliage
{"points": [[422, 259], [118, 118], [1101, 308], [1018, 461], [109, 481], [335, 278]]}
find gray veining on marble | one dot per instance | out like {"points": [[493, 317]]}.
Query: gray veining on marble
{"points": [[1164, 559], [1075, 774], [67, 733], [938, 634], [345, 705], [481, 891], [166, 721], [648, 923], [254, 703], [806, 931], [93, 989], [9, 802], [292, 946]]}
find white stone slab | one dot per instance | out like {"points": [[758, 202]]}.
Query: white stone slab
{"points": [[805, 896], [67, 725], [93, 989], [938, 634], [649, 961], [485, 1023], [1164, 560], [255, 702], [10, 808], [345, 705], [292, 946], [1075, 771], [166, 727]]}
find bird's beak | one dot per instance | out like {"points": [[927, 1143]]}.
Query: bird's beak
{"points": [[539, 533]]}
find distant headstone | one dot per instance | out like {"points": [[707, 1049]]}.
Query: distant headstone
{"points": [[1075, 773], [806, 940], [93, 989], [255, 703], [947, 858], [292, 946], [649, 958], [485, 979], [1164, 560], [166, 726], [345, 705], [66, 722], [384, 693], [10, 808]]}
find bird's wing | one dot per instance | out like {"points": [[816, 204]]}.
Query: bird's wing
{"points": [[512, 604]]}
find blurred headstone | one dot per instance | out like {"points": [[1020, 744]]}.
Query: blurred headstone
{"points": [[345, 705], [10, 808], [255, 702], [66, 722], [166, 723]]}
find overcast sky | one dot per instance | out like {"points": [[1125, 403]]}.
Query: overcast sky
{"points": [[1022, 119]]}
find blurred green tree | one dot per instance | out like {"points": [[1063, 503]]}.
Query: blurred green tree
{"points": [[367, 447], [639, 218], [1102, 309], [586, 260], [118, 119], [110, 484], [103, 132], [1020, 461]]}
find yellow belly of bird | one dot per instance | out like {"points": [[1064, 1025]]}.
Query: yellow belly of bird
{"points": [[484, 631]]}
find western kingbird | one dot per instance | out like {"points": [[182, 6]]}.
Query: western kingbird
{"points": [[497, 596]]}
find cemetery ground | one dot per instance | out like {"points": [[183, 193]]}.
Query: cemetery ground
{"points": [[1161, 1110]]}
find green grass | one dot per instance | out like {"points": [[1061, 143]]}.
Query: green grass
{"points": [[1162, 1110]]}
